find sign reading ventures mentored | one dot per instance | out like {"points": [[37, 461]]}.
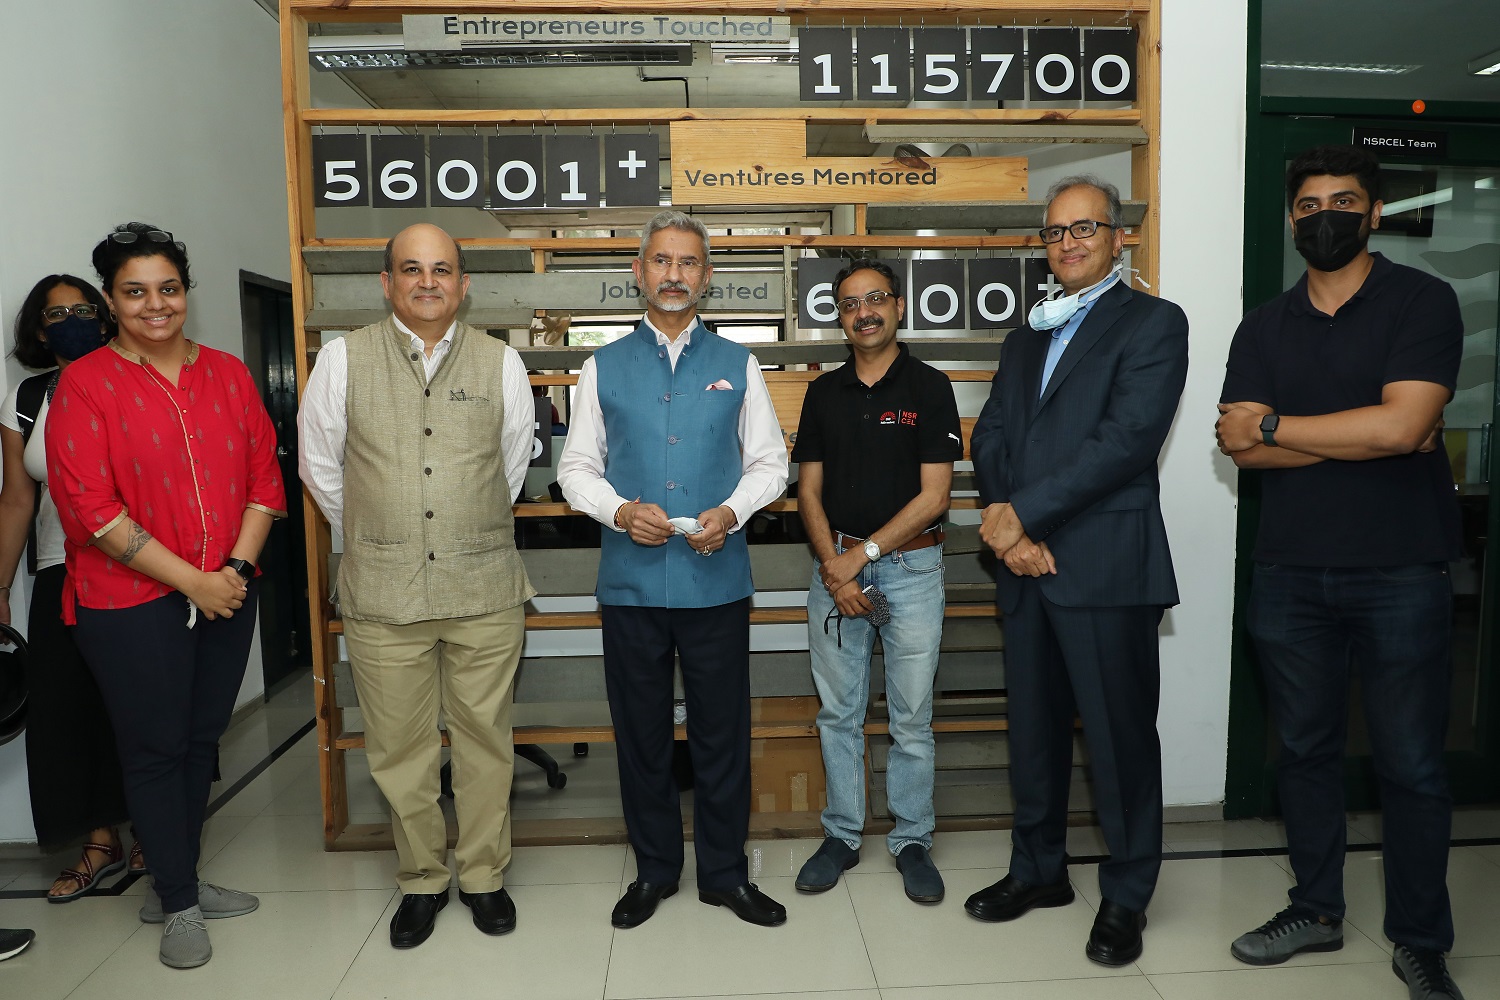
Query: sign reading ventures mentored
{"points": [[437, 32]]}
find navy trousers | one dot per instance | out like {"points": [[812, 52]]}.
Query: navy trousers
{"points": [[170, 691], [713, 646], [1313, 626], [1105, 662]]}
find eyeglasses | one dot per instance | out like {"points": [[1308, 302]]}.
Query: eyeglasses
{"points": [[153, 235], [874, 300], [1081, 230], [83, 310], [687, 265]]}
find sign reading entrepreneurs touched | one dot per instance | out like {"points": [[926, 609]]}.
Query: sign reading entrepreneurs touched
{"points": [[438, 32], [766, 163]]}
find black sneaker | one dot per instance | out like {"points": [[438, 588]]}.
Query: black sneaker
{"points": [[1425, 973]]}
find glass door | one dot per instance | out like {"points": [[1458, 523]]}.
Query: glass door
{"points": [[1442, 216]]}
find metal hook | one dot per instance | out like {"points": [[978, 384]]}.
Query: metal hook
{"points": [[614, 129], [319, 130], [555, 132], [439, 129]]}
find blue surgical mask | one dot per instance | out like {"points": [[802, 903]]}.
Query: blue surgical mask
{"points": [[74, 337], [1049, 314]]}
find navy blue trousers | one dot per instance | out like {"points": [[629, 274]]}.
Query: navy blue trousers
{"points": [[1314, 626], [170, 691], [713, 646]]}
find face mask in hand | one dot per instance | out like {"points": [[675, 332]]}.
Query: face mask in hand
{"points": [[1330, 239], [74, 337]]}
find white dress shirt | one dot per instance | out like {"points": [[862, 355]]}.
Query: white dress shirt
{"points": [[580, 470], [323, 428]]}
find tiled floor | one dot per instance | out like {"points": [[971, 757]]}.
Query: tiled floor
{"points": [[321, 930]]}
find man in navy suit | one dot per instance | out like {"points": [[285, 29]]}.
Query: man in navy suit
{"points": [[1065, 454]]}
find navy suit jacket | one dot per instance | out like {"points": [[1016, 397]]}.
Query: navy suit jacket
{"points": [[1078, 462]]}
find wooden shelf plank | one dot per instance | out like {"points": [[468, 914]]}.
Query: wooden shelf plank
{"points": [[559, 244], [549, 620], [1128, 117]]}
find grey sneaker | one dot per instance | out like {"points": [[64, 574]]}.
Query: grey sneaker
{"points": [[1290, 931], [184, 940], [1425, 973], [822, 870], [215, 901], [920, 877]]}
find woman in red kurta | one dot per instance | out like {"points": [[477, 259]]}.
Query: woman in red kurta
{"points": [[163, 467]]}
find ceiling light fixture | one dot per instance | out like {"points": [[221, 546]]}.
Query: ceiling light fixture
{"points": [[1374, 69], [1486, 65]]}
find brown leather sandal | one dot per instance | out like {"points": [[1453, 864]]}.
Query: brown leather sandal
{"points": [[88, 879]]}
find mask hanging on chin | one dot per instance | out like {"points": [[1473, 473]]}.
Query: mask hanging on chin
{"points": [[74, 337], [1049, 314], [1330, 239]]}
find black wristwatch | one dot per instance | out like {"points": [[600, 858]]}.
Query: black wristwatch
{"points": [[244, 567], [1268, 425]]}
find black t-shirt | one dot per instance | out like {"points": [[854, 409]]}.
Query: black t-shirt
{"points": [[873, 440], [1402, 325]]}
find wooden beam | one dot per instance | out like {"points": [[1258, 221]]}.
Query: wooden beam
{"points": [[1040, 10], [1145, 161], [1114, 133], [559, 244], [403, 118]]}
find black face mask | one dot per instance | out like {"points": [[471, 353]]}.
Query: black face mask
{"points": [[1329, 239]]}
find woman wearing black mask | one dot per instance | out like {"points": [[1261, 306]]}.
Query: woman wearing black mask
{"points": [[70, 749]]}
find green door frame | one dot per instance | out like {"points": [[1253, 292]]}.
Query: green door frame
{"points": [[1274, 125]]}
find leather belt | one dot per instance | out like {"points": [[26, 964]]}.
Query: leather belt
{"points": [[927, 539]]}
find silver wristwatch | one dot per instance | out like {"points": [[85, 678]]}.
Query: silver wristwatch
{"points": [[872, 551]]}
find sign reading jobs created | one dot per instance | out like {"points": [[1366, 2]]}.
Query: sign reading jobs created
{"points": [[436, 32]]}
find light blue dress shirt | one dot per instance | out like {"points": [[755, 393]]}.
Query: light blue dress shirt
{"points": [[1063, 334]]}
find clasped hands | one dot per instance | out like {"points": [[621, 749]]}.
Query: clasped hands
{"points": [[647, 524], [1003, 532]]}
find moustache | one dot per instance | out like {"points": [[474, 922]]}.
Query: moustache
{"points": [[674, 286]]}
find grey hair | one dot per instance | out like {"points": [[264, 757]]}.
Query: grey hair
{"points": [[670, 219], [1110, 192]]}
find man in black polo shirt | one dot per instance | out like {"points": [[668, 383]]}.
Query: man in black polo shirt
{"points": [[1336, 388], [876, 446]]}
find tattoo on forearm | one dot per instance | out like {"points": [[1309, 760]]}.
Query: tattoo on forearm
{"points": [[136, 541]]}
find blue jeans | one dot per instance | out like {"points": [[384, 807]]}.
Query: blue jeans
{"points": [[1312, 626], [913, 584]]}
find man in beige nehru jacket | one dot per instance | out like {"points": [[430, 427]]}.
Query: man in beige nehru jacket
{"points": [[415, 434]]}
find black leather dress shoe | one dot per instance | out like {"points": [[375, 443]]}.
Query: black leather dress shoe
{"points": [[1008, 898], [748, 903], [639, 902], [1116, 937], [414, 918], [494, 913]]}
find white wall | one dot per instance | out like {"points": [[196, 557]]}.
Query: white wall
{"points": [[1202, 240], [168, 112]]}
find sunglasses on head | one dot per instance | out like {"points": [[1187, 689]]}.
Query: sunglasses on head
{"points": [[151, 235]]}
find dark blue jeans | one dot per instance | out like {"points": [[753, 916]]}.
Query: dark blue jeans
{"points": [[1313, 626]]}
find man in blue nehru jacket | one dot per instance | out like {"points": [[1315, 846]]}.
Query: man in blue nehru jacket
{"points": [[674, 444]]}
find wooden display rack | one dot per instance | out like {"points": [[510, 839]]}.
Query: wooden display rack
{"points": [[775, 718]]}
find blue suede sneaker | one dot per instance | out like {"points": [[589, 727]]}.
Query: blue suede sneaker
{"points": [[822, 870]]}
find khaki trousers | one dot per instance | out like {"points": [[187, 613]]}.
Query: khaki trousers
{"points": [[404, 674]]}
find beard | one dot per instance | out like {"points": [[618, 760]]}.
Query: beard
{"points": [[667, 305]]}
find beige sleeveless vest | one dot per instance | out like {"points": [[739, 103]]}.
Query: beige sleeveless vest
{"points": [[427, 521]]}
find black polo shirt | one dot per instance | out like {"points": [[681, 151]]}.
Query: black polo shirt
{"points": [[1402, 325], [873, 440]]}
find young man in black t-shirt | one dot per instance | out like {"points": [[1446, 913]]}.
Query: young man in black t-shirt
{"points": [[1336, 389], [876, 445]]}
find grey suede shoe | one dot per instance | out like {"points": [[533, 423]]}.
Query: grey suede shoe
{"points": [[1425, 973], [919, 876], [215, 901], [184, 940], [822, 870], [1290, 931]]}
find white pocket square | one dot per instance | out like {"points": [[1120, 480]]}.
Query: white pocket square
{"points": [[723, 383]]}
